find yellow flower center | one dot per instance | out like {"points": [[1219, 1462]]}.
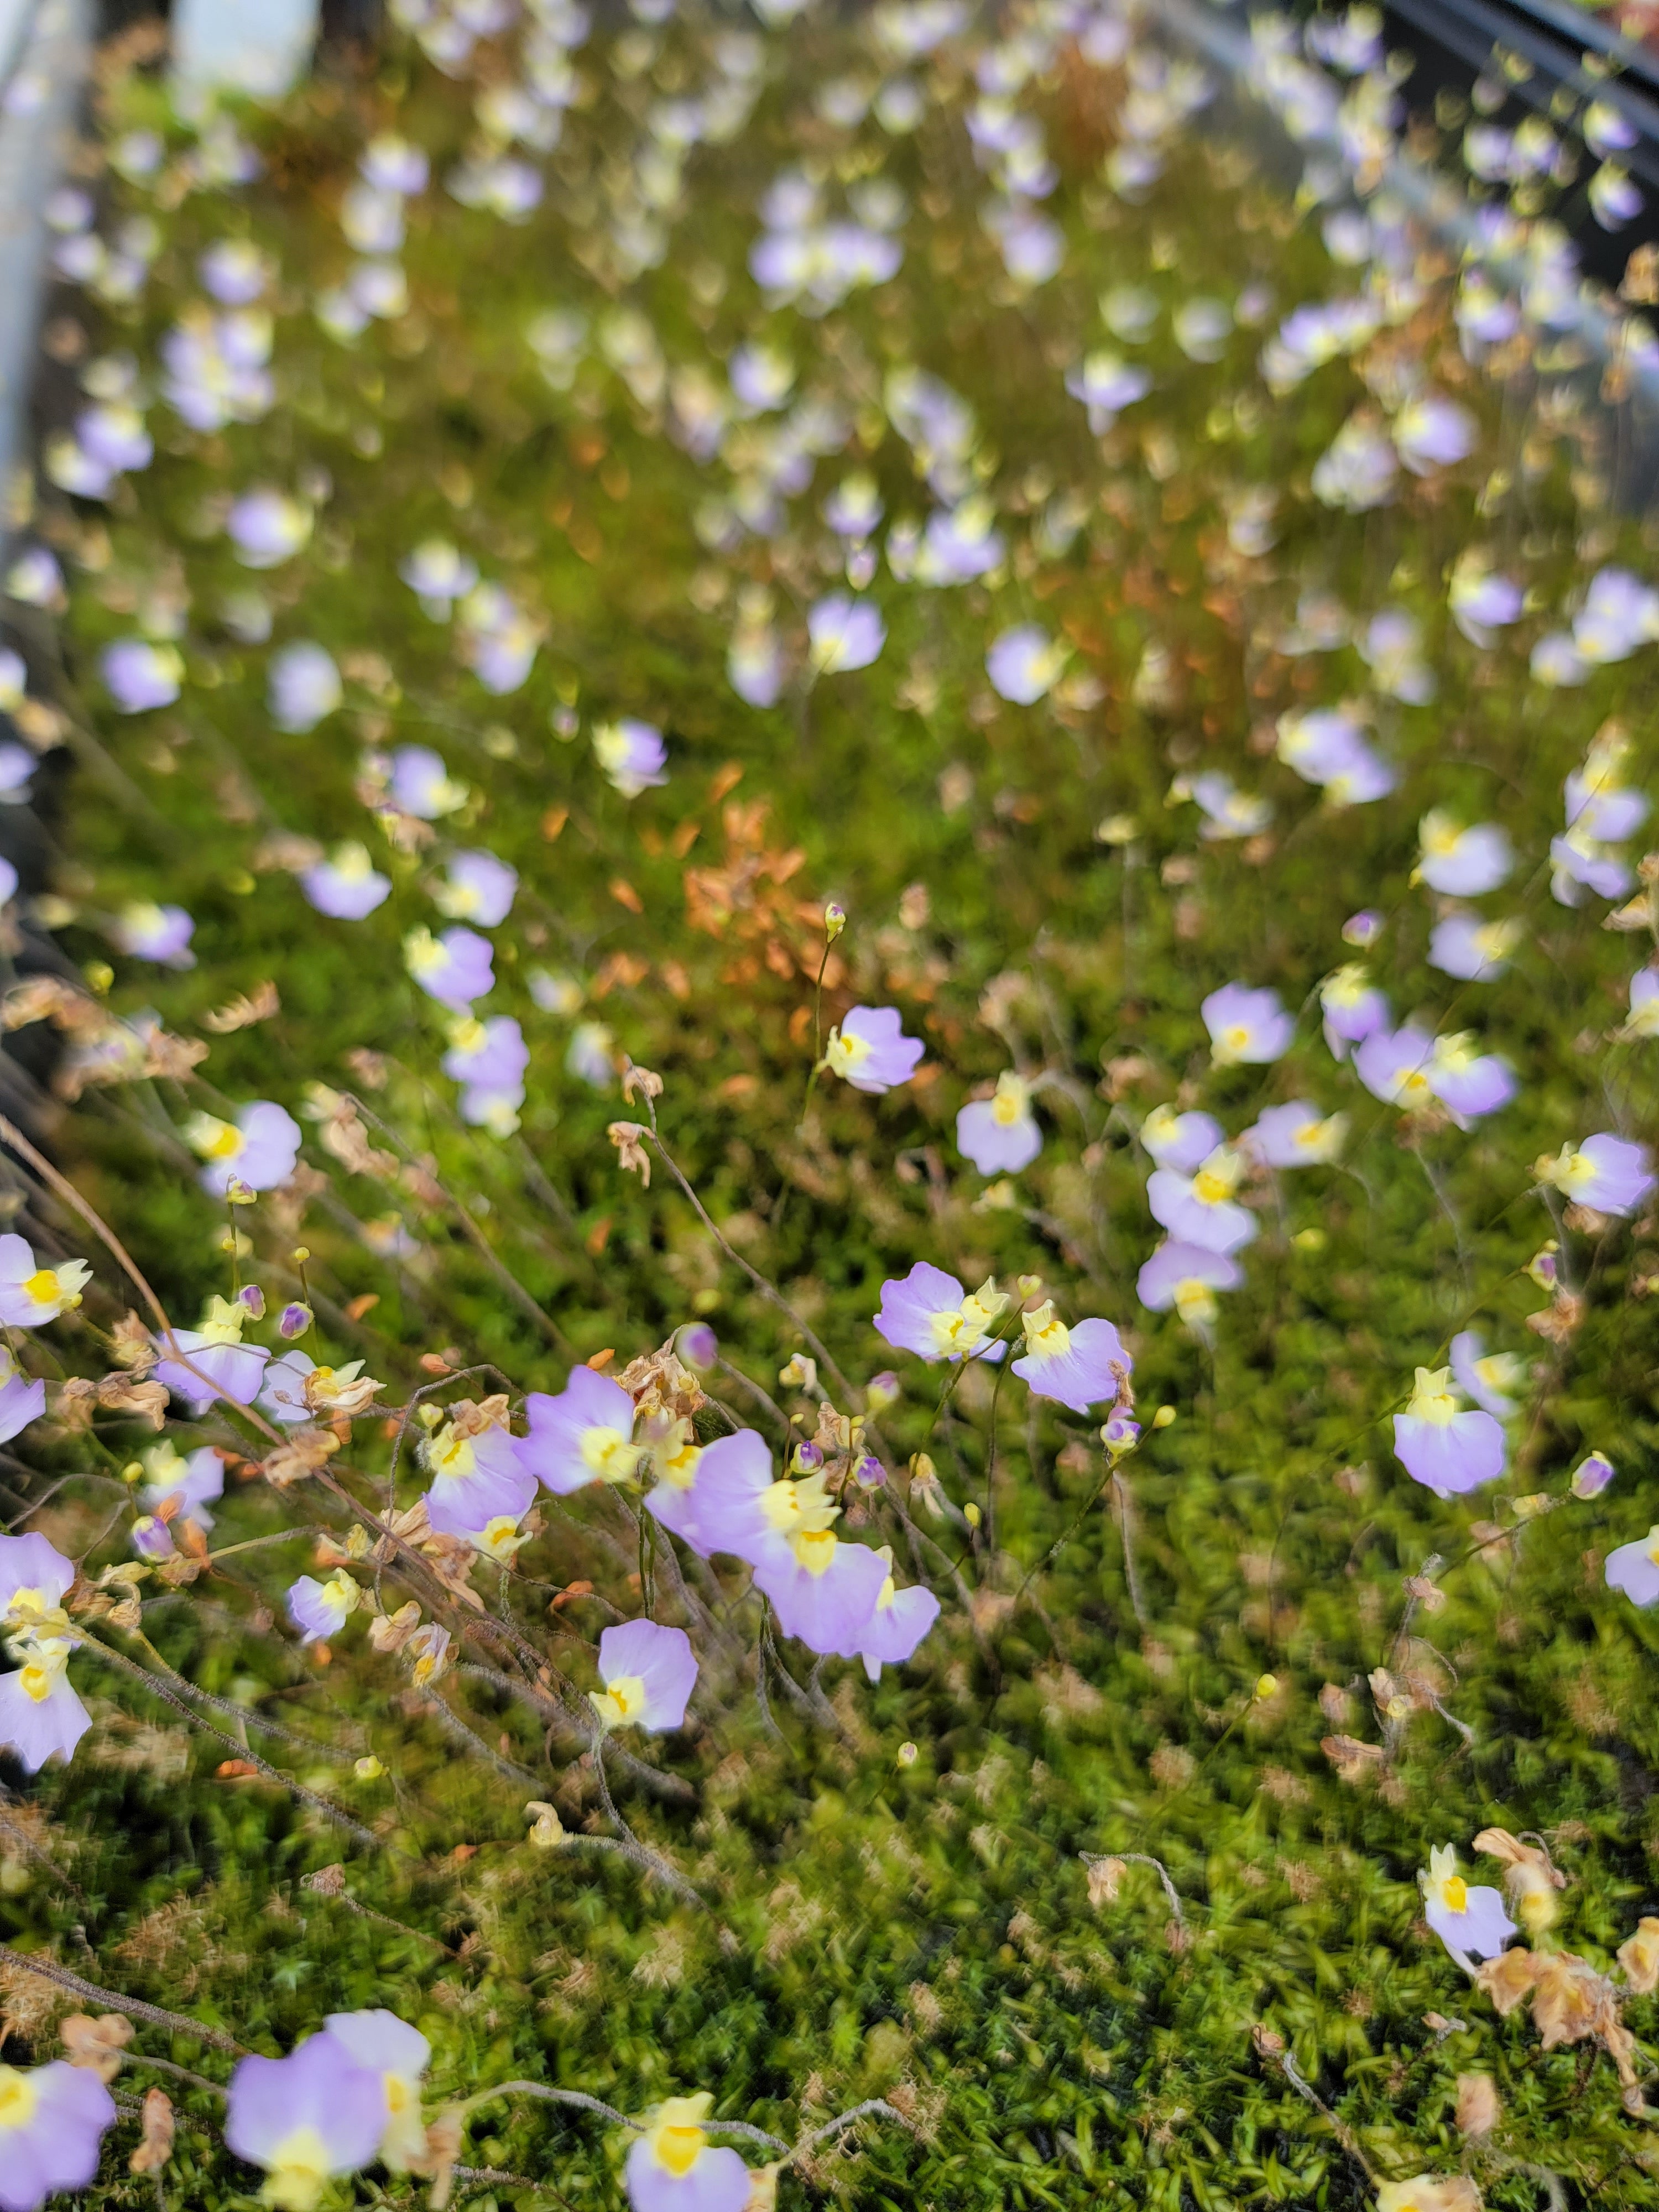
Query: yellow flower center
{"points": [[1235, 1037], [1045, 1337], [815, 1548], [679, 2149], [1194, 1301], [42, 1286], [1455, 1894], [844, 1054], [297, 2173], [18, 2098], [608, 1454], [621, 1702], [1012, 1102], [1433, 1398]]}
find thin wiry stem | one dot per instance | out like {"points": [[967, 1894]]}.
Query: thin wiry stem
{"points": [[652, 1861], [176, 2023]]}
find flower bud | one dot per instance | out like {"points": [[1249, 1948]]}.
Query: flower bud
{"points": [[1267, 1685], [1543, 1268], [237, 1193], [1362, 929], [882, 1391], [1120, 1434], [834, 920], [970, 1514], [251, 1299], [1592, 1475], [152, 1539], [908, 1754], [133, 1471], [367, 1770], [807, 1457], [1163, 1418], [698, 1346], [869, 1473], [295, 1321]]}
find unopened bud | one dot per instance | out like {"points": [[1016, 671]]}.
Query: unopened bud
{"points": [[132, 1472], [237, 1193], [908, 1754], [251, 1299], [1592, 1476], [300, 1255], [1362, 929], [834, 920], [295, 1321], [1267, 1685], [970, 1514], [882, 1391], [869, 1473], [808, 1457], [698, 1346], [1164, 1417], [367, 1770]]}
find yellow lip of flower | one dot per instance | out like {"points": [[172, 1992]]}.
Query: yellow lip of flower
{"points": [[298, 2171], [1045, 1337], [212, 1138], [800, 1507], [1194, 1301], [423, 954], [675, 2137], [607, 1452], [844, 1054], [351, 863], [1433, 1398], [468, 1034], [452, 1456], [1444, 1881], [1012, 1101], [1453, 1056], [1347, 987], [1439, 834], [815, 1548], [621, 1703], [1219, 1177], [1233, 1041], [18, 2098], [40, 1675], [41, 1286]]}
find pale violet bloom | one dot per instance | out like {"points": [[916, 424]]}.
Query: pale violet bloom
{"points": [[928, 1313], [1462, 863], [1079, 1367], [868, 1048], [1580, 862], [478, 888], [585, 1434], [478, 1477], [756, 667], [1181, 1141], [439, 575], [303, 686], [1613, 199], [489, 1059], [1472, 950], [1358, 470], [1295, 1136], [144, 931], [900, 1621], [1000, 1134], [1327, 746], [191, 1485], [268, 527], [1468, 1082], [1487, 1378], [1187, 1278], [1634, 1569], [380, 2042], [421, 785], [1619, 614], [592, 1054], [1391, 645], [1556, 661], [1609, 1174], [234, 272], [1227, 811], [454, 969], [1444, 1445], [320, 1610], [22, 1397], [648, 1674], [1201, 328], [393, 165], [1471, 1924], [52, 2123], [347, 886], [761, 378], [632, 754], [1024, 663], [41, 1715], [1644, 1020], [1481, 601], [671, 2165], [844, 633], [823, 1591], [854, 508], [305, 2119], [1592, 1475], [212, 1361], [1246, 1026], [1431, 432], [1200, 1208], [258, 1149], [139, 676]]}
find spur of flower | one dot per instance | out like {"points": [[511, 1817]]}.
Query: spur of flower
{"points": [[1610, 1173], [648, 1672], [52, 2120], [31, 1296], [868, 1049], [40, 1714], [305, 2119], [1000, 1134], [1080, 1367], [1469, 1922], [927, 1312], [673, 2167], [1200, 1208], [1446, 1446]]}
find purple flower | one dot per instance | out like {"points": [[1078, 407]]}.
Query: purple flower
{"points": [[439, 575], [672, 2166], [737, 1506], [1472, 950], [648, 1672], [52, 2120], [480, 888], [1000, 1134], [302, 685], [489, 1059], [755, 665], [395, 165], [1295, 1136], [1022, 664], [477, 1477], [1394, 1066], [1080, 1367], [1619, 613], [1592, 1475], [1187, 1277], [1181, 1141], [1431, 432], [1246, 1026], [454, 969], [823, 1591], [378, 2042], [220, 1364], [1579, 860], [1483, 1378], [1468, 1083], [844, 633], [1352, 1006], [319, 1610], [31, 1296], [267, 527], [584, 1435], [927, 1312], [1462, 863], [258, 1149], [1481, 602], [631, 754], [698, 1346], [900, 1618], [190, 1484], [139, 676], [305, 2118], [1471, 1923], [23, 1400], [1447, 1448], [1633, 1568], [347, 886], [421, 785], [234, 272], [1608, 1173], [868, 1049], [160, 933], [1325, 746], [33, 1577], [1199, 1208], [1106, 385]]}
